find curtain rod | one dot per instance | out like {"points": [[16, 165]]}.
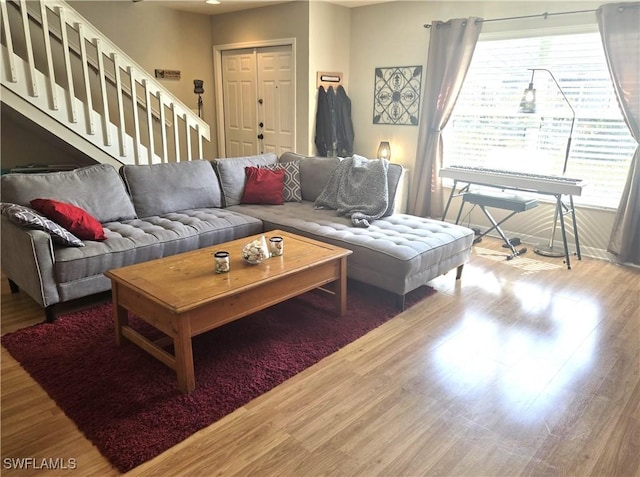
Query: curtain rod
{"points": [[545, 15]]}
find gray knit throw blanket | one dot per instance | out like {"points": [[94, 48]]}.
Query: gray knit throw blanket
{"points": [[358, 188]]}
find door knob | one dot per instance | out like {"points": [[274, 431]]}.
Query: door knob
{"points": [[261, 124], [261, 136], [260, 101]]}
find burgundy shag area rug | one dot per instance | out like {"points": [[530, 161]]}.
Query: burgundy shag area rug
{"points": [[126, 402]]}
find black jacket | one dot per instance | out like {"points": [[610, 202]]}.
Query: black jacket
{"points": [[334, 129], [344, 126]]}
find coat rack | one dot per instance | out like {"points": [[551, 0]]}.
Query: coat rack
{"points": [[326, 79]]}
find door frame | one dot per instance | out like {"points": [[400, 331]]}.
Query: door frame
{"points": [[219, 93]]}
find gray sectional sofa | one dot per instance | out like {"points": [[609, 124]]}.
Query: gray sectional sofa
{"points": [[154, 211]]}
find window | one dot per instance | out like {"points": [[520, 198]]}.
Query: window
{"points": [[487, 130]]}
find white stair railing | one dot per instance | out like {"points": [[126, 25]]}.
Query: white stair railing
{"points": [[54, 59]]}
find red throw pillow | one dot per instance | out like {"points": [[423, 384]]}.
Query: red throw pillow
{"points": [[76, 220], [263, 186]]}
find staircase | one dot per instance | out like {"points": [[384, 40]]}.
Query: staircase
{"points": [[63, 74]]}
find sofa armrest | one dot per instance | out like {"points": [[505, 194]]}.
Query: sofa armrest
{"points": [[28, 260]]}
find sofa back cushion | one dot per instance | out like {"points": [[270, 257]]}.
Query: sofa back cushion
{"points": [[314, 172], [97, 189], [393, 179], [158, 189], [232, 175]]}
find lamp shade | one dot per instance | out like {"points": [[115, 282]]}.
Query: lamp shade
{"points": [[528, 103], [384, 150]]}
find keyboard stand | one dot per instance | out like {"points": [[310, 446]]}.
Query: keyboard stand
{"points": [[561, 208], [513, 203]]}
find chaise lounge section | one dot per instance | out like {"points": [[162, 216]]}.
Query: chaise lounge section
{"points": [[398, 252]]}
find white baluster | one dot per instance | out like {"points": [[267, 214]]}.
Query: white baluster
{"points": [[176, 133], [136, 120], [163, 128], [147, 97], [27, 39], [71, 104], [7, 34], [88, 101], [121, 126], [103, 92], [47, 49], [200, 153], [188, 134]]}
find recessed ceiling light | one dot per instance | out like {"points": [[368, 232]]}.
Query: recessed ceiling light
{"points": [[212, 2]]}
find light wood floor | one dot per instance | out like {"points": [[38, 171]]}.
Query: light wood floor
{"points": [[521, 368]]}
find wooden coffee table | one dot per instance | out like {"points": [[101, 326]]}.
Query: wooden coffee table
{"points": [[182, 296]]}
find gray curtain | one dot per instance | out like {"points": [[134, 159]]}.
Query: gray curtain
{"points": [[451, 47], [620, 31]]}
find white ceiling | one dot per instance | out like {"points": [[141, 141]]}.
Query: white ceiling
{"points": [[227, 6]]}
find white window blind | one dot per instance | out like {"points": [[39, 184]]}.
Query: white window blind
{"points": [[487, 130]]}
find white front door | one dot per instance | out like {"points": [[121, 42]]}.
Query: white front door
{"points": [[275, 100], [239, 102], [258, 100]]}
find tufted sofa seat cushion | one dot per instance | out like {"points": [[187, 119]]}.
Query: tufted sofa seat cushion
{"points": [[398, 253], [139, 240]]}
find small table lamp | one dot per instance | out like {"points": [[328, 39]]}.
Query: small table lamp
{"points": [[384, 150]]}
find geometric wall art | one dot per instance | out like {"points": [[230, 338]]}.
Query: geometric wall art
{"points": [[396, 98]]}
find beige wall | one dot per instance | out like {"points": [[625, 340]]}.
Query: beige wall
{"points": [[329, 50], [24, 143], [392, 34]]}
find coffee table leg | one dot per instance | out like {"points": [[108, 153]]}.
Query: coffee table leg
{"points": [[341, 288], [120, 316], [184, 355]]}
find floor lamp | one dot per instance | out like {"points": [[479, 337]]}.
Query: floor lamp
{"points": [[528, 105]]}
